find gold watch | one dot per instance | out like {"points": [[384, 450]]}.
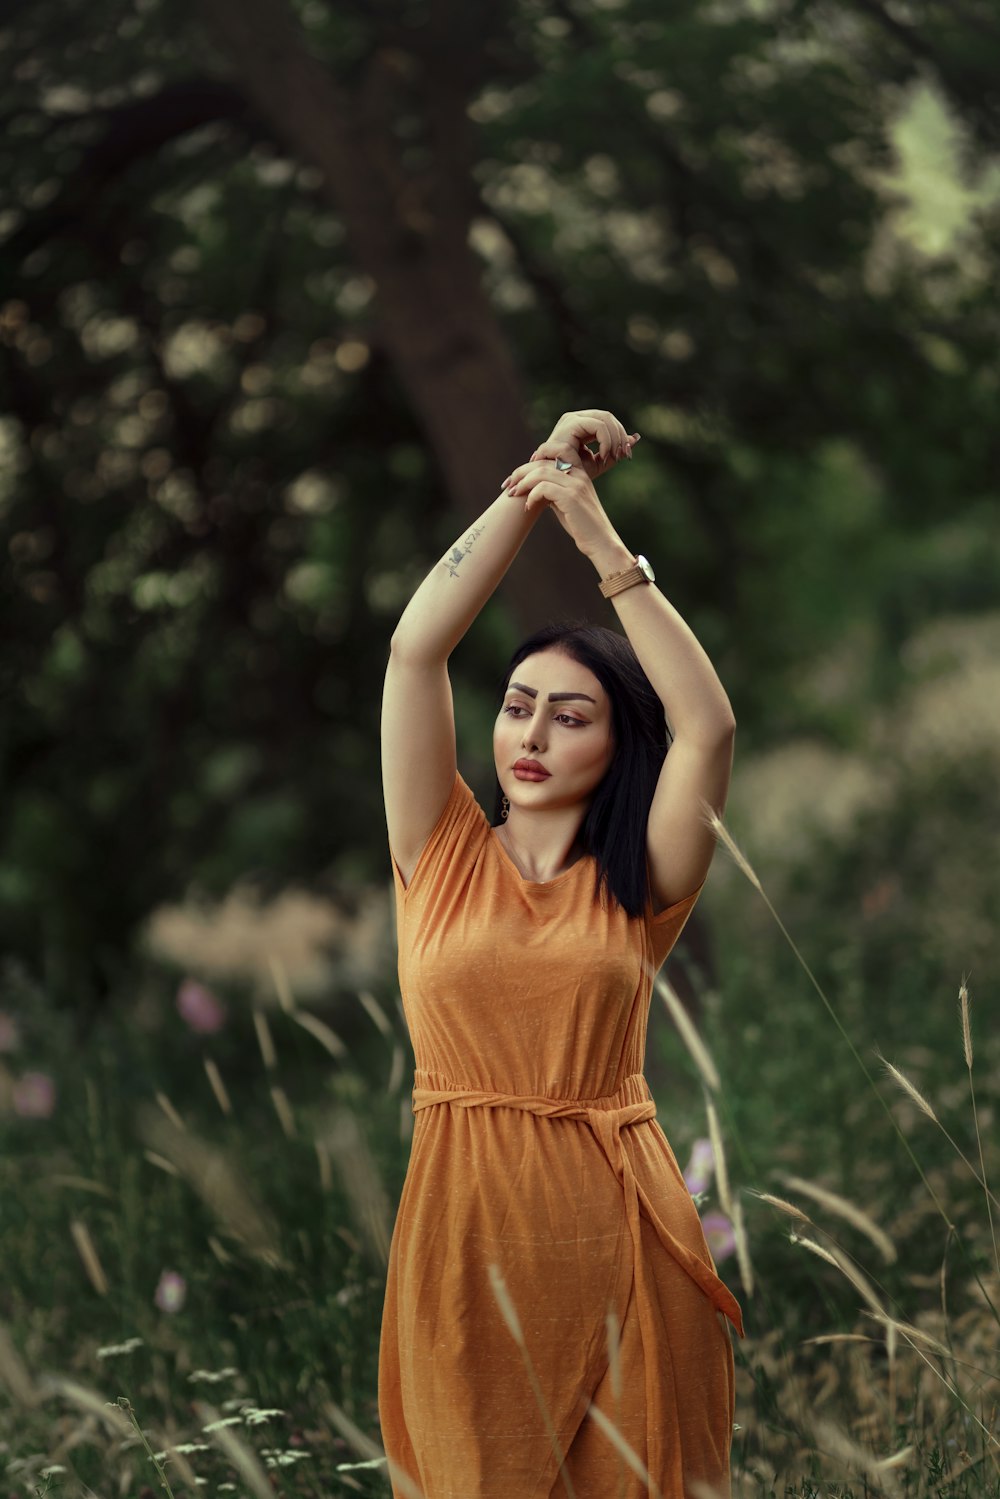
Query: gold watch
{"points": [[617, 582]]}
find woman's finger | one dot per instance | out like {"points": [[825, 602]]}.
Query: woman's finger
{"points": [[577, 430], [588, 426], [554, 448], [607, 445], [535, 475], [536, 497], [517, 474], [541, 464], [617, 435]]}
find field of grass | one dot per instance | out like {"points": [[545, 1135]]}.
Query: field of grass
{"points": [[195, 1210]]}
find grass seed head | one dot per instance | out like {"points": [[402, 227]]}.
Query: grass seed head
{"points": [[326, 1037], [88, 1254], [963, 1000], [342, 1138], [848, 1210], [700, 1053], [264, 1040], [375, 1010], [283, 1109], [725, 837], [783, 1206], [218, 1086], [912, 1333], [908, 1087], [218, 1181], [14, 1372], [847, 1268], [169, 1110], [834, 1440]]}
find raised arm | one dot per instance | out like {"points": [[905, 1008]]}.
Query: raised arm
{"points": [[418, 717], [696, 772]]}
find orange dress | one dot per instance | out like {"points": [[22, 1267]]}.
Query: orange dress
{"points": [[536, 1148]]}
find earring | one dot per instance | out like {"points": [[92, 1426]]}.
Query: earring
{"points": [[504, 807]]}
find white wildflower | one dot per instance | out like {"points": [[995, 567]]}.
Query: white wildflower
{"points": [[114, 1348], [226, 1421]]}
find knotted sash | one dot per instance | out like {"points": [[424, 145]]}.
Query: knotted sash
{"points": [[607, 1116]]}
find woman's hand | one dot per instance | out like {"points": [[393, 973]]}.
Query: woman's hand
{"points": [[571, 495], [575, 429]]}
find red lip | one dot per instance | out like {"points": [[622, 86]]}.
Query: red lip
{"points": [[531, 765]]}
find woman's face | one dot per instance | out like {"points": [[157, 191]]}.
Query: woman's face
{"points": [[570, 737]]}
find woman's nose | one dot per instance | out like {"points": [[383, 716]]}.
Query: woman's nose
{"points": [[531, 736]]}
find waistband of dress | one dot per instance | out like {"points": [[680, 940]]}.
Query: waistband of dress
{"points": [[436, 1087]]}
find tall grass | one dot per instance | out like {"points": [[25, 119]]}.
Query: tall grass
{"points": [[194, 1248]]}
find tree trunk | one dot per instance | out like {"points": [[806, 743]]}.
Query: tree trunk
{"points": [[410, 236]]}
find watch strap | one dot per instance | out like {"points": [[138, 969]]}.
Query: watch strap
{"points": [[618, 582]]}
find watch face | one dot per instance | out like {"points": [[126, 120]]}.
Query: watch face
{"points": [[645, 569]]}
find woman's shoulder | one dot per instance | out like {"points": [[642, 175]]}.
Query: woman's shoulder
{"points": [[459, 833]]}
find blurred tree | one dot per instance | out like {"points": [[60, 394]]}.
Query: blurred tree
{"points": [[273, 278]]}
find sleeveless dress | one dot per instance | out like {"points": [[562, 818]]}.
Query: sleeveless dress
{"points": [[535, 1147]]}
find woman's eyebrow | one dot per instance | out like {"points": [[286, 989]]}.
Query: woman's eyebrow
{"points": [[554, 697]]}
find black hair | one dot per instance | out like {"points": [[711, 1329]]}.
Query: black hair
{"points": [[614, 828]]}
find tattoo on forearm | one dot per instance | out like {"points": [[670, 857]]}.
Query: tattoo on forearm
{"points": [[459, 553]]}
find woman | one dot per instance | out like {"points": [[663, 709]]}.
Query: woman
{"points": [[527, 952]]}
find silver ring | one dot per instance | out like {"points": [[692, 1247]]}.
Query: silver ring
{"points": [[563, 466]]}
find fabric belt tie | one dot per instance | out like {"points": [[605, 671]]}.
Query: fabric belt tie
{"points": [[607, 1116]]}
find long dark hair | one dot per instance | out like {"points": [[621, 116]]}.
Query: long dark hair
{"points": [[614, 829]]}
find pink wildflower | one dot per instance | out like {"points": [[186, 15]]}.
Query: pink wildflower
{"points": [[199, 1007], [171, 1291], [34, 1096], [698, 1171], [720, 1235]]}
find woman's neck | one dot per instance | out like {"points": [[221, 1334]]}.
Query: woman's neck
{"points": [[542, 847]]}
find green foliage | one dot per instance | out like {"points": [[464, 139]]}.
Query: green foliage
{"points": [[215, 498]]}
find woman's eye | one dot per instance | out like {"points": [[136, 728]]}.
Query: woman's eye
{"points": [[568, 718], [513, 709]]}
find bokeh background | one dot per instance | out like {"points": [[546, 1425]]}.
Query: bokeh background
{"points": [[286, 288]]}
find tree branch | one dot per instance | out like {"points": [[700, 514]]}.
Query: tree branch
{"points": [[134, 131]]}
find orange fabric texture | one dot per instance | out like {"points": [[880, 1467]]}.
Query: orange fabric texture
{"points": [[536, 1147]]}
